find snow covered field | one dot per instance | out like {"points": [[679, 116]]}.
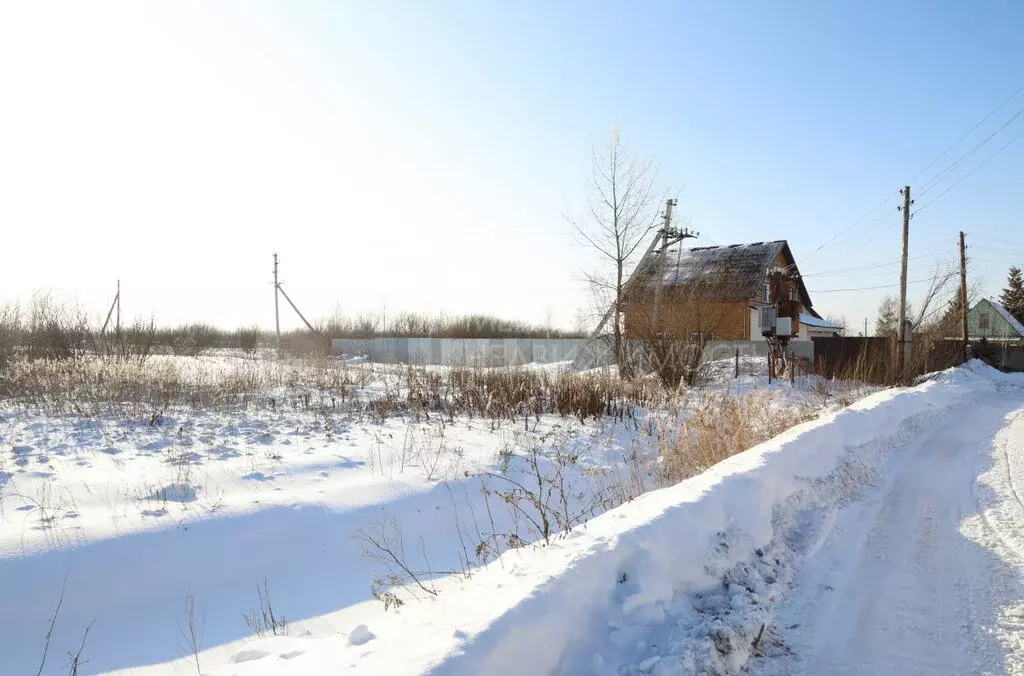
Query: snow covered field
{"points": [[318, 507], [882, 539], [137, 510]]}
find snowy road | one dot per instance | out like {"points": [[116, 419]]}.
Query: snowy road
{"points": [[924, 574]]}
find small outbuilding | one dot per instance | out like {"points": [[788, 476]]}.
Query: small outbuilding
{"points": [[988, 319]]}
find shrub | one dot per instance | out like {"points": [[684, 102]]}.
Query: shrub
{"points": [[247, 339]]}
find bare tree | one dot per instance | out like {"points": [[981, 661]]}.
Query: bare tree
{"points": [[622, 209], [942, 280]]}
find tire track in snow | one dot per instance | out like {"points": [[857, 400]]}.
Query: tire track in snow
{"points": [[907, 587]]}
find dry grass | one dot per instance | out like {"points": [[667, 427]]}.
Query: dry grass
{"points": [[718, 426], [508, 393], [93, 386]]}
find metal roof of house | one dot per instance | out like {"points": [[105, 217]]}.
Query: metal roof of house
{"points": [[734, 272], [817, 322], [1010, 319]]}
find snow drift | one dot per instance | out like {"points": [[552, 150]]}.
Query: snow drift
{"points": [[680, 579]]}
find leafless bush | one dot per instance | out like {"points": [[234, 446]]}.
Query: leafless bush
{"points": [[247, 339], [262, 621], [10, 329], [53, 623], [385, 543], [133, 344], [192, 340], [192, 632], [55, 331], [412, 325], [75, 658], [550, 495]]}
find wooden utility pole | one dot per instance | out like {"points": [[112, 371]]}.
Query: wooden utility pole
{"points": [[117, 325], [963, 294], [277, 316], [902, 330]]}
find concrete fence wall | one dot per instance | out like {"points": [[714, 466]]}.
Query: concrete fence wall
{"points": [[461, 351], [517, 351]]}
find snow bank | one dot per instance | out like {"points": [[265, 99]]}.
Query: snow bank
{"points": [[700, 561]]}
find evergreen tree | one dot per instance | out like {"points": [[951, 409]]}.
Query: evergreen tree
{"points": [[888, 320], [888, 317], [1012, 297], [949, 325]]}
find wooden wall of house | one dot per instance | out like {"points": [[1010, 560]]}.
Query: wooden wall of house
{"points": [[728, 320]]}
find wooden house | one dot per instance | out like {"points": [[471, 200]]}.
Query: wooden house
{"points": [[718, 292]]}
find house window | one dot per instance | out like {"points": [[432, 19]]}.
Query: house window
{"points": [[766, 293], [982, 320], [702, 337], [792, 293]]}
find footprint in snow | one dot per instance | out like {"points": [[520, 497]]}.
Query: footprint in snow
{"points": [[248, 655]]}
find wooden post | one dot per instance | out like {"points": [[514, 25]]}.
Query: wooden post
{"points": [[963, 296], [792, 368], [736, 374]]}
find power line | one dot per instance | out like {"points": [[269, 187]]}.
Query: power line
{"points": [[932, 183], [992, 248], [1000, 241], [990, 260], [832, 240], [967, 133], [926, 253], [870, 288], [969, 173], [868, 228], [852, 225]]}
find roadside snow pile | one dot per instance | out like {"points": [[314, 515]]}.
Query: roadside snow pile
{"points": [[681, 580]]}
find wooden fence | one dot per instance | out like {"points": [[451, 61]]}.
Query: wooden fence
{"points": [[873, 360]]}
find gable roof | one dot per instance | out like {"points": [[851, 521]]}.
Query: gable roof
{"points": [[738, 270], [1010, 319]]}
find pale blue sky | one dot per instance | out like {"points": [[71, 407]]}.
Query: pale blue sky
{"points": [[421, 155]]}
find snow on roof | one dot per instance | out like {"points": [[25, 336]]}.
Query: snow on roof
{"points": [[1010, 319], [732, 272], [811, 320]]}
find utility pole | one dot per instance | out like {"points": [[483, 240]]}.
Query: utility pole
{"points": [[664, 236], [277, 316], [865, 327], [900, 360], [117, 325], [963, 294]]}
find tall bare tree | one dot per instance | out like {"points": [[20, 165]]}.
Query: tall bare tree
{"points": [[621, 211]]}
